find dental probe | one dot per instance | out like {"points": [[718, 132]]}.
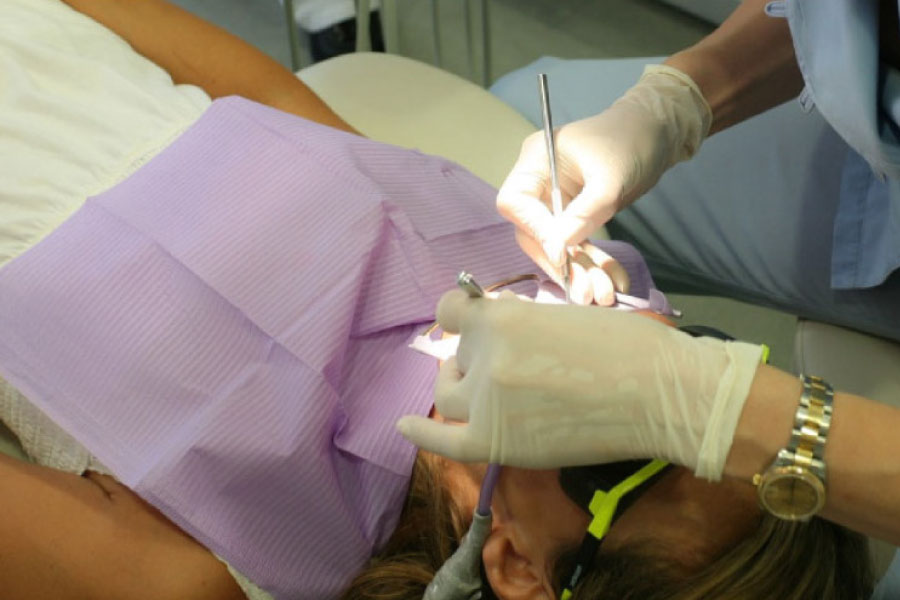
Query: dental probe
{"points": [[555, 192], [467, 283]]}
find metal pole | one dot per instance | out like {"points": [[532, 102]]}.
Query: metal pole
{"points": [[470, 38], [390, 26], [363, 35], [436, 32], [293, 40], [486, 44], [555, 192]]}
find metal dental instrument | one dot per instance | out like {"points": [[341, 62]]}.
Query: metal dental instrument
{"points": [[555, 192], [467, 282]]}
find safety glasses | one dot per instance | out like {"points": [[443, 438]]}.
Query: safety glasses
{"points": [[604, 492]]}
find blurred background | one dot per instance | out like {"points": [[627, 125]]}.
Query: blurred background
{"points": [[519, 31]]}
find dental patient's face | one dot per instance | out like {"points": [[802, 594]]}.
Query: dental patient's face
{"points": [[694, 518], [530, 503]]}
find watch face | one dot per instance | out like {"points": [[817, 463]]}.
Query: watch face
{"points": [[792, 493]]}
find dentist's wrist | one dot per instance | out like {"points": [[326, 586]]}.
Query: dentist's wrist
{"points": [[744, 67], [765, 423], [687, 114]]}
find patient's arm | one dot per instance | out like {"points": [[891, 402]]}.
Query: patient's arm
{"points": [[67, 537], [197, 52]]}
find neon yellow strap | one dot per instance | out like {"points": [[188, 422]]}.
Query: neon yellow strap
{"points": [[603, 504], [567, 593]]}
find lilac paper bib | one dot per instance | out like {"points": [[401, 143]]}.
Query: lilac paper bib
{"points": [[226, 330]]}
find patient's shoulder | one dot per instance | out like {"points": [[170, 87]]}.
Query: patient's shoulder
{"points": [[70, 537]]}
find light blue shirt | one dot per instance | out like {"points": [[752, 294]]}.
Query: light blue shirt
{"points": [[836, 44]]}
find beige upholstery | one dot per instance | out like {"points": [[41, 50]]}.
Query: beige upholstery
{"points": [[404, 102], [849, 360]]}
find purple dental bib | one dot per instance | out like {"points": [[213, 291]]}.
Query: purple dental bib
{"points": [[226, 330]]}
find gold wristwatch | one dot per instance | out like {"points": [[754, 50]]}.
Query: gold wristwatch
{"points": [[793, 487]]}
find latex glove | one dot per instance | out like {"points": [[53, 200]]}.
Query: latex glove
{"points": [[596, 276], [544, 386], [604, 163]]}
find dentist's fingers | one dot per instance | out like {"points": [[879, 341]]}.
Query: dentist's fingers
{"points": [[596, 276], [610, 266], [533, 249], [523, 197], [603, 274], [595, 205], [451, 309], [528, 213], [581, 291], [445, 439], [449, 399]]}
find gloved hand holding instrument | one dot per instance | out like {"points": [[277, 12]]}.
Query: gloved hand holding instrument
{"points": [[604, 163]]}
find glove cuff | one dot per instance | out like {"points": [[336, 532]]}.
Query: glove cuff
{"points": [[734, 387], [679, 102]]}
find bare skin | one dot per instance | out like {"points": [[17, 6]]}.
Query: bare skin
{"points": [[744, 67], [67, 537], [197, 52], [79, 538]]}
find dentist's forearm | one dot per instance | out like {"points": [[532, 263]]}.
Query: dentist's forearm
{"points": [[862, 452], [744, 67], [197, 52]]}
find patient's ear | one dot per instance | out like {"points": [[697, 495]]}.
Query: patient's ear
{"points": [[515, 572]]}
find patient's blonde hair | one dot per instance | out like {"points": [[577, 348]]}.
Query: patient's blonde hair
{"points": [[428, 533], [777, 560]]}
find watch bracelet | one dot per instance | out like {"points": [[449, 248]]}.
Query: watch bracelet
{"points": [[812, 422]]}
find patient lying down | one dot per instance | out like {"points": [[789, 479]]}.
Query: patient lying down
{"points": [[224, 332]]}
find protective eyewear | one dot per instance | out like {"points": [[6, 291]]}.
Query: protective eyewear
{"points": [[604, 492]]}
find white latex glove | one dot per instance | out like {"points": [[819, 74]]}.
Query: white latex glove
{"points": [[596, 276], [544, 386], [604, 163]]}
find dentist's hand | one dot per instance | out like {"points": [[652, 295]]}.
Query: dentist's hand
{"points": [[604, 163], [544, 386], [596, 276]]}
